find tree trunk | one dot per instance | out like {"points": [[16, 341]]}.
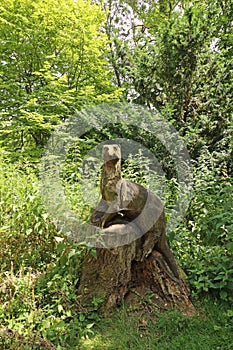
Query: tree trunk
{"points": [[137, 260]]}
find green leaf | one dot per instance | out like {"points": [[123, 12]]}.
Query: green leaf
{"points": [[60, 308], [60, 247], [90, 325]]}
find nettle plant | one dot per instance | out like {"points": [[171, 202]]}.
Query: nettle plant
{"points": [[204, 243], [26, 229], [39, 270]]}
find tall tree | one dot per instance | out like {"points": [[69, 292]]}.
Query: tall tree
{"points": [[175, 56], [52, 62]]}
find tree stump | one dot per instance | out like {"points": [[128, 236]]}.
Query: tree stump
{"points": [[137, 259]]}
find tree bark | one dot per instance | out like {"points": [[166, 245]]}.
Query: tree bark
{"points": [[137, 260]]}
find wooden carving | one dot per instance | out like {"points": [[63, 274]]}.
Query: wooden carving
{"points": [[138, 259]]}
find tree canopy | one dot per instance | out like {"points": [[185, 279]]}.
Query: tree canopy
{"points": [[176, 56], [52, 62]]}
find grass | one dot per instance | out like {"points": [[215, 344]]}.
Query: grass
{"points": [[26, 323], [211, 329]]}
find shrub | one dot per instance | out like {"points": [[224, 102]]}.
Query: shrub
{"points": [[204, 243], [26, 231]]}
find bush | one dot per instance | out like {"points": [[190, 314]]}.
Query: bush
{"points": [[39, 271], [26, 231], [204, 243]]}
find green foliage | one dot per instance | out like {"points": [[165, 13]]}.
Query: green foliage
{"points": [[175, 57], [204, 243], [52, 62], [42, 309], [212, 329], [26, 231], [211, 209], [39, 271]]}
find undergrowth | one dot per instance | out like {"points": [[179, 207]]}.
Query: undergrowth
{"points": [[40, 268]]}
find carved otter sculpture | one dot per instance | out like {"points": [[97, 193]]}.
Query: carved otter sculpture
{"points": [[137, 258], [126, 201]]}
